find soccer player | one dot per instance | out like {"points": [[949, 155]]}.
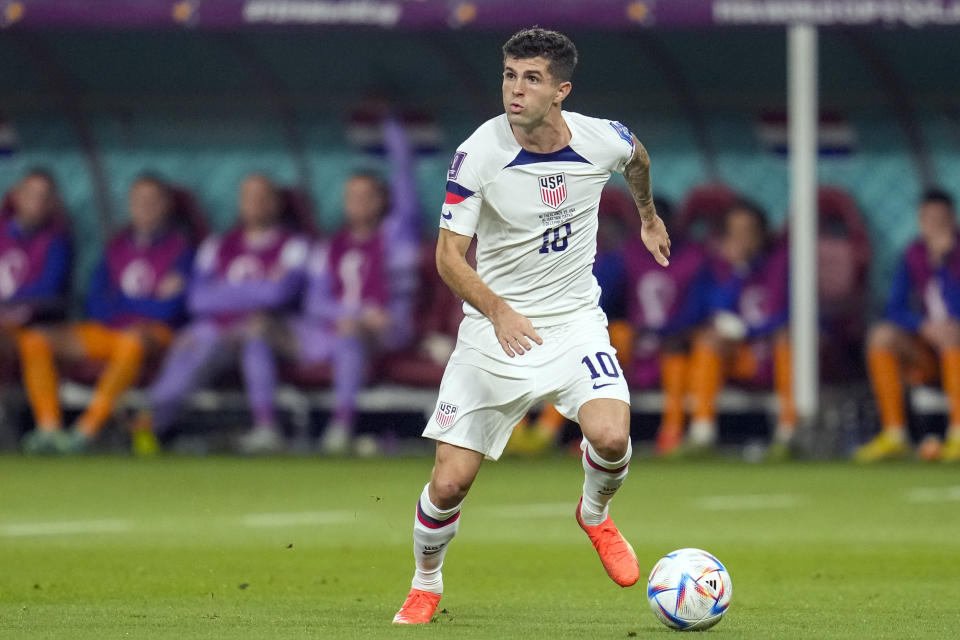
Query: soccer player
{"points": [[663, 308], [528, 184], [360, 287], [136, 298], [748, 338], [241, 281], [919, 336], [35, 257]]}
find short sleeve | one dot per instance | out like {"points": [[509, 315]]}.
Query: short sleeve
{"points": [[461, 206], [623, 146]]}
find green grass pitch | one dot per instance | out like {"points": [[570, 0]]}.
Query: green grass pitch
{"points": [[310, 548]]}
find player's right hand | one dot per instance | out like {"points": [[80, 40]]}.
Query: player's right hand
{"points": [[514, 331], [657, 240]]}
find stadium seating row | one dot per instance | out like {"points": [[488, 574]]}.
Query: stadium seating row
{"points": [[406, 380]]}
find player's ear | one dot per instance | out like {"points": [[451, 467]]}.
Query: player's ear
{"points": [[563, 90]]}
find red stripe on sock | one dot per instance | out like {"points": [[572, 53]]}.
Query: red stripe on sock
{"points": [[433, 523], [596, 466]]}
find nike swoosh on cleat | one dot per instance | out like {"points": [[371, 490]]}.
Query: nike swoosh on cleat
{"points": [[446, 215], [601, 386]]}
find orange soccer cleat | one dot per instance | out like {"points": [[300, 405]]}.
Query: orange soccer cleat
{"points": [[616, 554], [418, 608]]}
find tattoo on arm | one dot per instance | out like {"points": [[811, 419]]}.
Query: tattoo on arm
{"points": [[637, 173]]}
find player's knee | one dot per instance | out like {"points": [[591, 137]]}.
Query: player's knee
{"points": [[883, 335], [30, 340], [447, 490], [708, 339], [130, 346], [612, 444]]}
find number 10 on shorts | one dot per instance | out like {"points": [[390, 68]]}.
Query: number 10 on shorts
{"points": [[601, 364]]}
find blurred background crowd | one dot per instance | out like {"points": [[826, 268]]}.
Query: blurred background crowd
{"points": [[223, 239]]}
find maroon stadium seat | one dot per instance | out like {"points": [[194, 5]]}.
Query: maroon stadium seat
{"points": [[617, 204], [843, 259], [188, 213], [701, 214], [843, 246], [297, 210], [437, 310], [307, 375]]}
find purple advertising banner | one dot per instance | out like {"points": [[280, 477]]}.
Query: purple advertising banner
{"points": [[455, 14]]}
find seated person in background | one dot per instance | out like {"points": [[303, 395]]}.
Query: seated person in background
{"points": [[361, 287], [748, 338], [920, 330], [35, 257], [136, 297], [663, 308], [241, 282]]}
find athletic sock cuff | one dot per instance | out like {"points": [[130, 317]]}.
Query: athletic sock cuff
{"points": [[595, 461], [433, 517]]}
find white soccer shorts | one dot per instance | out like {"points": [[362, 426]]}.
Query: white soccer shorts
{"points": [[485, 393]]}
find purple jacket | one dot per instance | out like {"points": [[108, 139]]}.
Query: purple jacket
{"points": [[234, 278]]}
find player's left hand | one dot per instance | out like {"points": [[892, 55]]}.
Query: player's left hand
{"points": [[656, 240]]}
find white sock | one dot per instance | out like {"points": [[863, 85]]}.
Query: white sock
{"points": [[601, 479], [433, 529], [702, 433]]}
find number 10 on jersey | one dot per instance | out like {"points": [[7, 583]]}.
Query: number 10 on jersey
{"points": [[559, 242]]}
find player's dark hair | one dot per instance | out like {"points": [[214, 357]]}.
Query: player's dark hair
{"points": [[936, 195], [751, 208], [553, 46]]}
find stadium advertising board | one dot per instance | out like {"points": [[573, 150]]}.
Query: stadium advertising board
{"points": [[444, 14]]}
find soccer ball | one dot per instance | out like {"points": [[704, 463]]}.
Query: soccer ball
{"points": [[689, 590]]}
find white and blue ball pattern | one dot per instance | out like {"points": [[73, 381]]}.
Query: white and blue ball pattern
{"points": [[689, 590]]}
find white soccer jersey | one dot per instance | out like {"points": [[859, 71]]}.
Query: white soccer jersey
{"points": [[535, 214]]}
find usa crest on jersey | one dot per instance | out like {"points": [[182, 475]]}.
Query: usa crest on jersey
{"points": [[553, 190], [446, 414]]}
